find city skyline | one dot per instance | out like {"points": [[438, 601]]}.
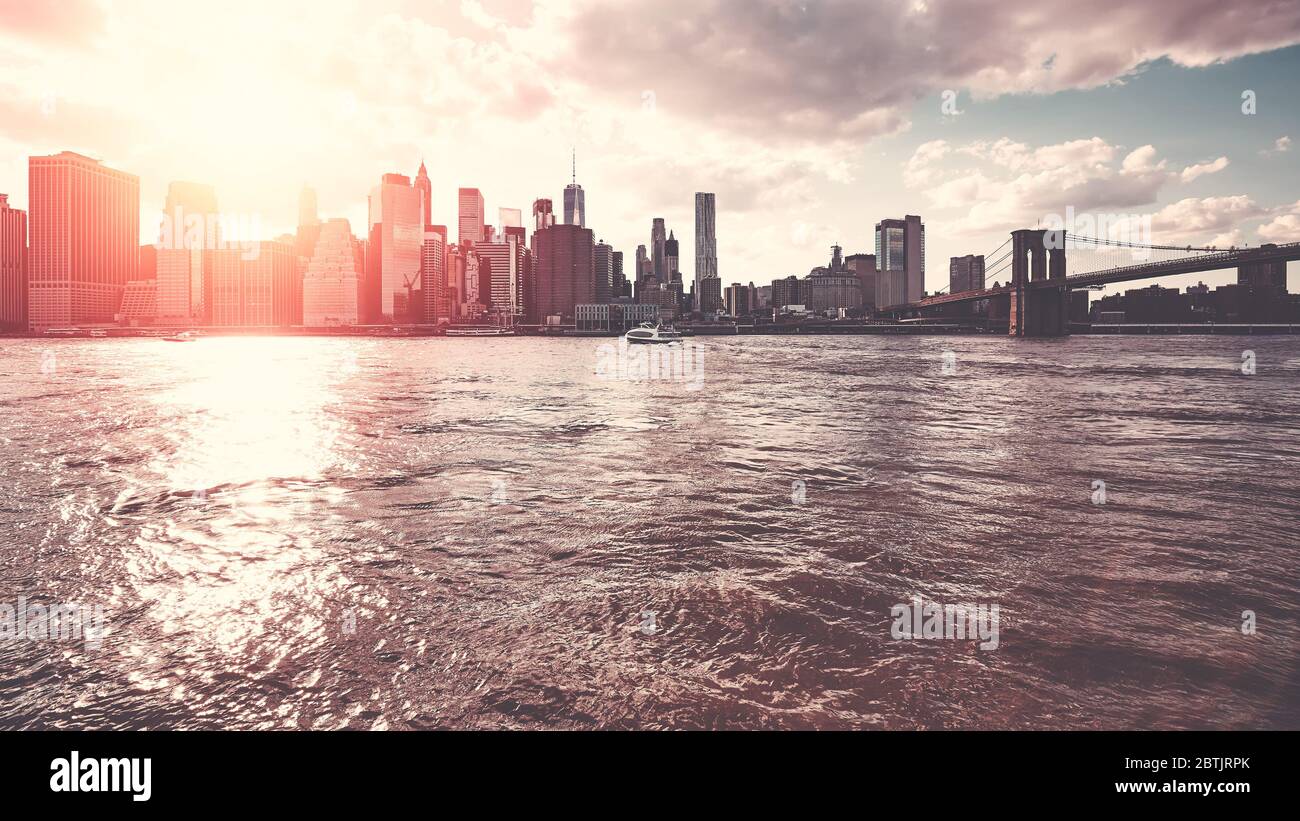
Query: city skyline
{"points": [[1100, 135]]}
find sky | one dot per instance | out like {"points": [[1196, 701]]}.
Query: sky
{"points": [[811, 121]]}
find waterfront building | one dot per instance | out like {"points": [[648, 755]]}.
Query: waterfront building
{"points": [[966, 273], [613, 317], [396, 234], [13, 267], [900, 256], [738, 300], [84, 240], [433, 275], [331, 287], [564, 272], [863, 267], [710, 295]]}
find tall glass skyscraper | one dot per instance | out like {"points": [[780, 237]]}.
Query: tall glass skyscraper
{"points": [[900, 259], [575, 201], [395, 213]]}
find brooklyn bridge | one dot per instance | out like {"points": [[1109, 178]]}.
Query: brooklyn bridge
{"points": [[1046, 266]]}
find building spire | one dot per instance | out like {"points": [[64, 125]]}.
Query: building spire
{"points": [[575, 165]]}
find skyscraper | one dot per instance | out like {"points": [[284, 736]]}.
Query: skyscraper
{"points": [[433, 275], [575, 201], [470, 213], [621, 288], [307, 214], [395, 263], [331, 287], [13, 267], [425, 187], [863, 267], [259, 287], [672, 272], [84, 239], [190, 226], [504, 261], [603, 264], [657, 240], [706, 242], [543, 216], [900, 257], [510, 218], [564, 272], [965, 273]]}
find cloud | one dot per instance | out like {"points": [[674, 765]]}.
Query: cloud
{"points": [[1195, 221], [1280, 146], [817, 70], [1005, 184], [1191, 172], [64, 22], [1284, 226]]}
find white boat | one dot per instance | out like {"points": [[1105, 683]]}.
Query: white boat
{"points": [[183, 336], [649, 334], [479, 330]]}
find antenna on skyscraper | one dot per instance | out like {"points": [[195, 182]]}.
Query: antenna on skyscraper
{"points": [[575, 165]]}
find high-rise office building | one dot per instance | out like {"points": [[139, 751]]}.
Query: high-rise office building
{"points": [[84, 240], [706, 240], [191, 225], [673, 273], [510, 218], [575, 201], [254, 287], [396, 235], [739, 300], [658, 238], [307, 213], [425, 187], [309, 226], [966, 273], [564, 272], [900, 258], [331, 286], [543, 216], [1263, 276], [710, 295], [470, 215], [787, 291], [863, 267], [13, 267], [603, 263], [501, 264], [433, 275], [621, 286]]}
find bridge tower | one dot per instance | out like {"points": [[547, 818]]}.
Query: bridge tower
{"points": [[1040, 302]]}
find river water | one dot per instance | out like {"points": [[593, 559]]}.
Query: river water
{"points": [[420, 533]]}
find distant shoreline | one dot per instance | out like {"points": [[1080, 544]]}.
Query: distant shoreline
{"points": [[424, 332]]}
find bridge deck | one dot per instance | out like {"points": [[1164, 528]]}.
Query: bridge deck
{"points": [[1289, 252]]}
